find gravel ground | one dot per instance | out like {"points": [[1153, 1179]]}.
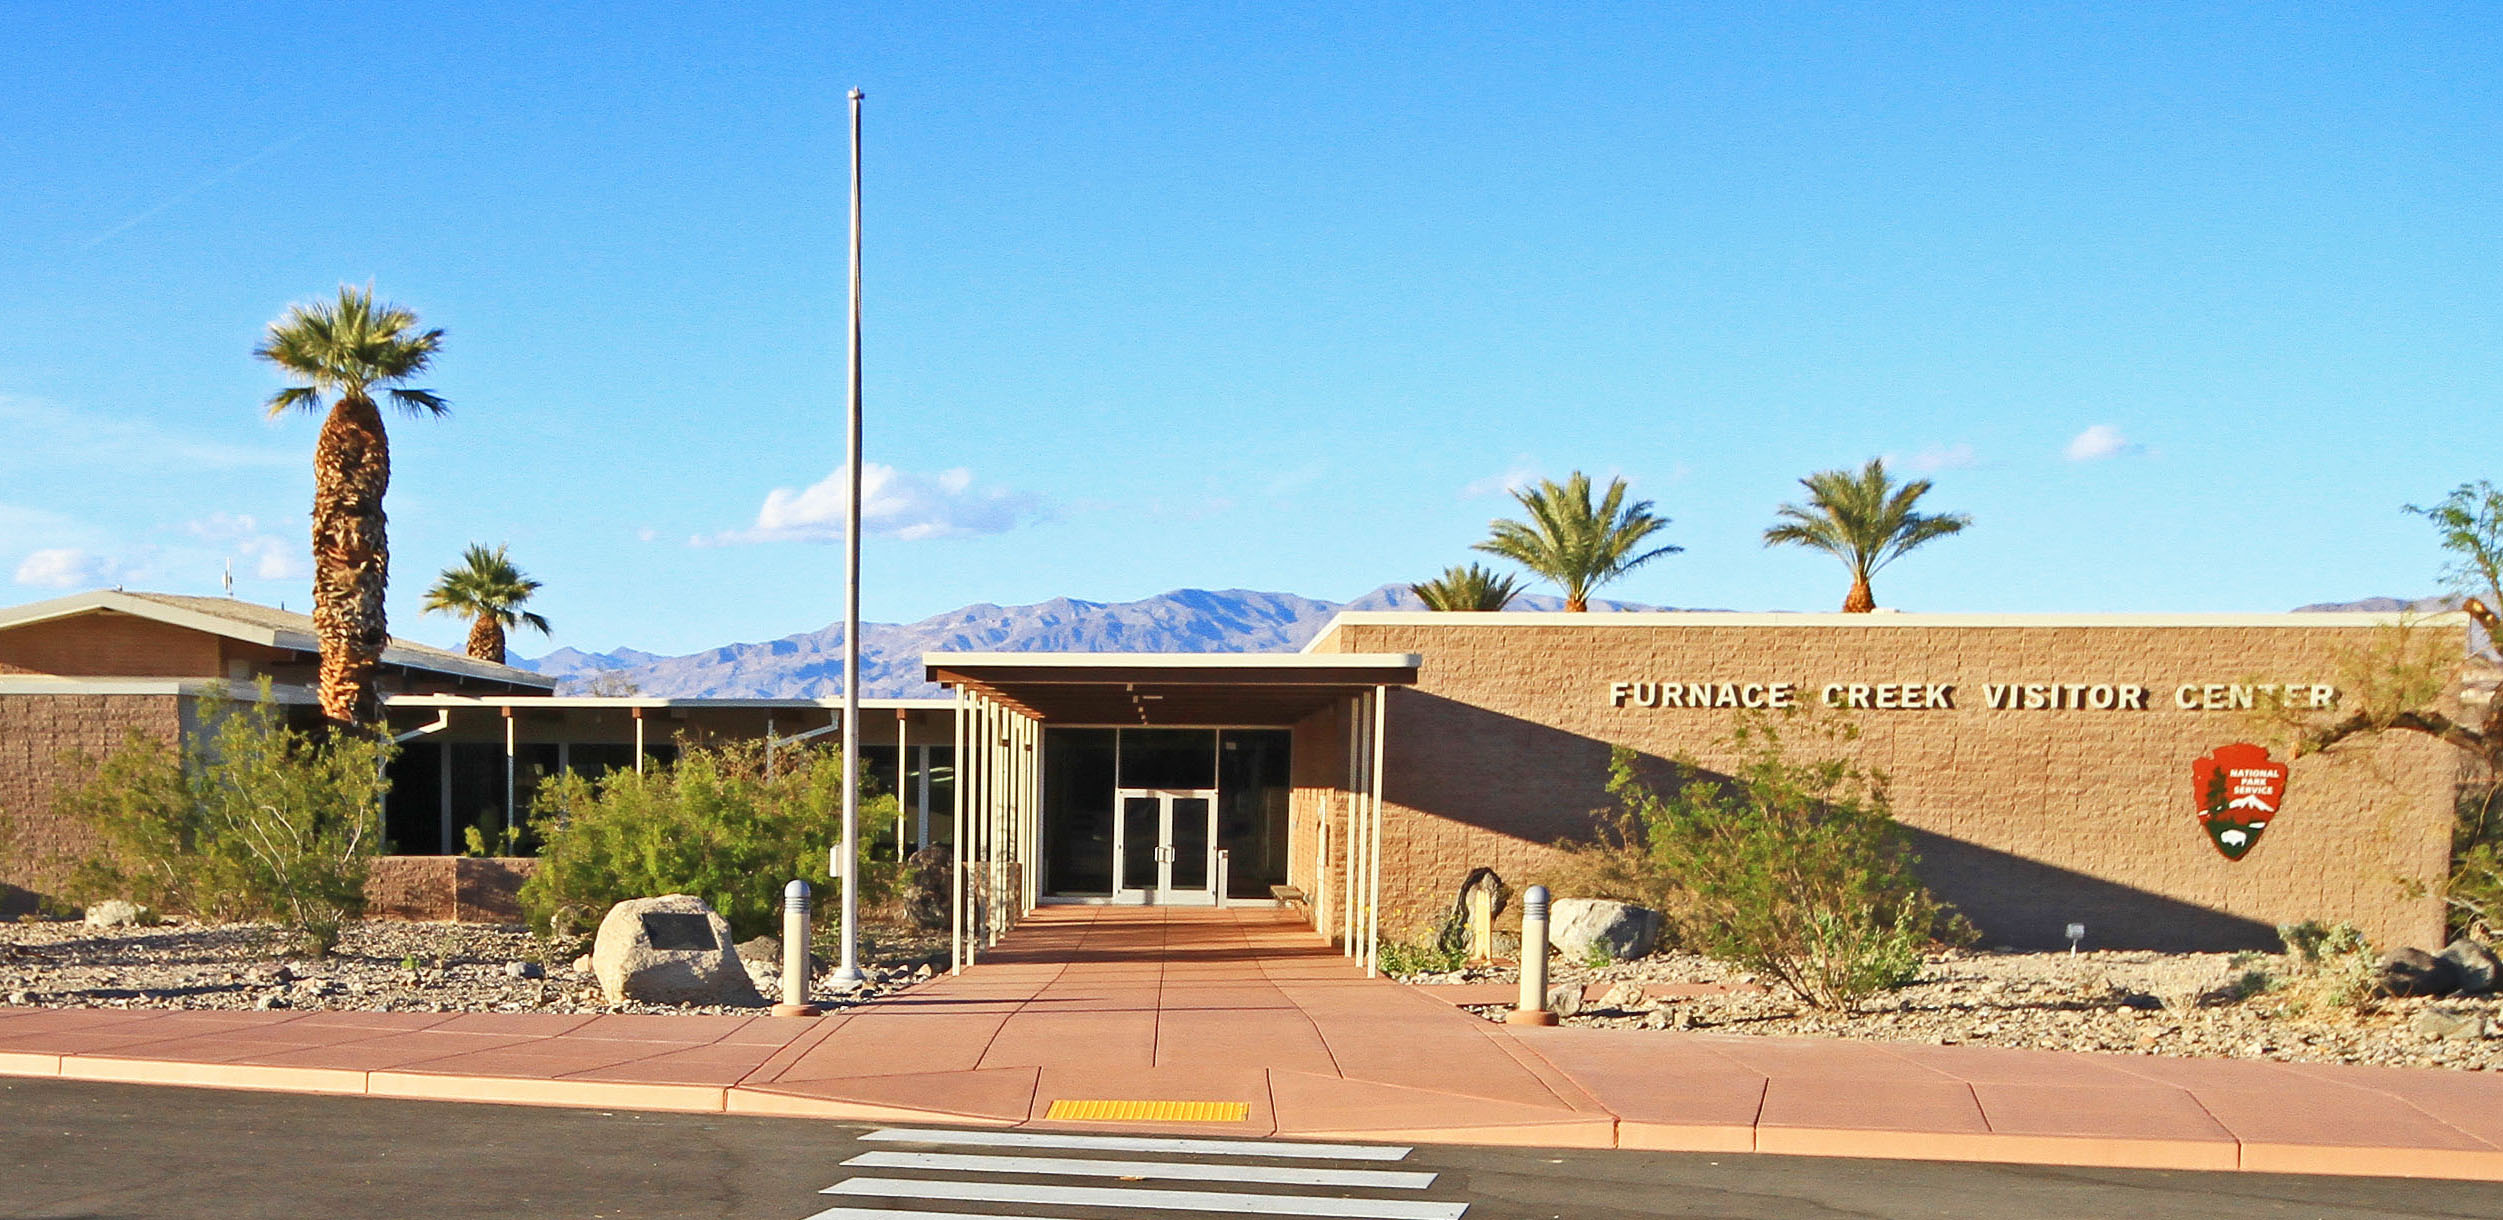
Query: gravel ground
{"points": [[2126, 1002], [380, 966]]}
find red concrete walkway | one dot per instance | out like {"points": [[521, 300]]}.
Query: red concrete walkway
{"points": [[1246, 1010]]}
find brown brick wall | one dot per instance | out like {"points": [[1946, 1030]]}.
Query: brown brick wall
{"points": [[38, 733], [2026, 820], [106, 644], [447, 888]]}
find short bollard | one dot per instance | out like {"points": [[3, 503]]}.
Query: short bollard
{"points": [[1533, 1007], [795, 953]]}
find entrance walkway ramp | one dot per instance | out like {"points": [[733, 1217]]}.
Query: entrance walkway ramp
{"points": [[1233, 1023], [1236, 1021]]}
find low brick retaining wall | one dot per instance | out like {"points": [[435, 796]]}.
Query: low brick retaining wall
{"points": [[459, 889]]}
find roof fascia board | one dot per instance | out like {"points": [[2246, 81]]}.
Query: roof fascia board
{"points": [[634, 701], [1720, 618], [197, 688]]}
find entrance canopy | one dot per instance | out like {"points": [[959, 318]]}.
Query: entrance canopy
{"points": [[1176, 689]]}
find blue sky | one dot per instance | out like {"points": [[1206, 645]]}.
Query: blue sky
{"points": [[2181, 303]]}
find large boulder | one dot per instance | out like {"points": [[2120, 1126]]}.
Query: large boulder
{"points": [[117, 913], [2475, 965], [1574, 925], [670, 950], [2414, 972]]}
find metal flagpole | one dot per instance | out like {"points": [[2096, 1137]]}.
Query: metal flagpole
{"points": [[847, 974]]}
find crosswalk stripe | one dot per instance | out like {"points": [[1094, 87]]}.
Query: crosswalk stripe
{"points": [[1237, 1202], [896, 1213], [1187, 1171], [1282, 1149]]}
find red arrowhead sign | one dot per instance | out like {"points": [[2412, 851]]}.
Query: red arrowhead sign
{"points": [[2237, 791]]}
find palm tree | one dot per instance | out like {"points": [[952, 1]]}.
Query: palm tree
{"points": [[490, 590], [1577, 546], [348, 349], [1469, 588], [1863, 519]]}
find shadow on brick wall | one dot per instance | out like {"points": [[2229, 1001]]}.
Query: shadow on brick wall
{"points": [[15, 902], [2027, 904], [1519, 778]]}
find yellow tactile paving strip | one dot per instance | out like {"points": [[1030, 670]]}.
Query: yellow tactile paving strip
{"points": [[1070, 1110]]}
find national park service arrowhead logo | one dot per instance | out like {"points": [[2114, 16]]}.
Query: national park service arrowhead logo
{"points": [[2237, 791]]}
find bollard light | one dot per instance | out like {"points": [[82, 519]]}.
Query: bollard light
{"points": [[795, 953], [1533, 1007]]}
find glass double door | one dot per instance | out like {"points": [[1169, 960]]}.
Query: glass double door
{"points": [[1164, 846]]}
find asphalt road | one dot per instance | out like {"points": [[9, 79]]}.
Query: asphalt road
{"points": [[72, 1149]]}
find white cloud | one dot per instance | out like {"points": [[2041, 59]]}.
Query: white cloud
{"points": [[239, 536], [894, 504], [1520, 474], [2099, 442], [1958, 456], [64, 567]]}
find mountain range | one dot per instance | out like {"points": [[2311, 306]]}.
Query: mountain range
{"points": [[810, 665]]}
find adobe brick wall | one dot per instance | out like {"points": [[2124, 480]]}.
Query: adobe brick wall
{"points": [[2026, 819], [38, 733], [460, 889], [107, 644]]}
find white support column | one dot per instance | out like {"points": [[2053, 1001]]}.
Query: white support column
{"points": [[921, 801], [1373, 871], [903, 771], [956, 850], [638, 741], [509, 811], [1355, 857]]}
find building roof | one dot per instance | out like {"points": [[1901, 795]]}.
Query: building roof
{"points": [[253, 623], [1170, 688]]}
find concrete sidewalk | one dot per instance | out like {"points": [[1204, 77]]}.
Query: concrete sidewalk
{"points": [[1242, 1022]]}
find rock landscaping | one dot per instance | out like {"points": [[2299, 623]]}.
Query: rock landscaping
{"points": [[380, 966], [2180, 1004]]}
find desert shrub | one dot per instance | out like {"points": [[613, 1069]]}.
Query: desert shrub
{"points": [[714, 824], [2329, 966], [249, 819], [1426, 956], [1791, 868]]}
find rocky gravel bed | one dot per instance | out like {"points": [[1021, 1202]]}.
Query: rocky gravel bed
{"points": [[2119, 1002], [380, 966]]}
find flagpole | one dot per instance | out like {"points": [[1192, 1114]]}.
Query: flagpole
{"points": [[848, 974]]}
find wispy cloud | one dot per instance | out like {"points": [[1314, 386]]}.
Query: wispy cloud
{"points": [[67, 567], [240, 536], [64, 435], [1520, 474], [2100, 442], [893, 503], [1958, 456]]}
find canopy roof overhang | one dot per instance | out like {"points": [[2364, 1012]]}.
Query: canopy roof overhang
{"points": [[1177, 689]]}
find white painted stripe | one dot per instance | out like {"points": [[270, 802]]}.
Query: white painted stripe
{"points": [[1179, 1171], [1238, 1203], [1281, 1149]]}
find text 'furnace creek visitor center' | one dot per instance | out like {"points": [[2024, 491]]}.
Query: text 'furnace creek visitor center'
{"points": [[2044, 764]]}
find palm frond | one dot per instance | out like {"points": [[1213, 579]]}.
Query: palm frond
{"points": [[1863, 518], [1574, 543]]}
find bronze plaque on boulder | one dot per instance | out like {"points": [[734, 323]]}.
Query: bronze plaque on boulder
{"points": [[678, 930]]}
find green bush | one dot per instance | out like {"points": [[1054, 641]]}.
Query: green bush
{"points": [[1400, 958], [714, 824], [1792, 869], [250, 819], [2332, 967]]}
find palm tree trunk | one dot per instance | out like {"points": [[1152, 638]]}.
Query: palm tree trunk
{"points": [[486, 639], [1575, 603], [1860, 600], [351, 557]]}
